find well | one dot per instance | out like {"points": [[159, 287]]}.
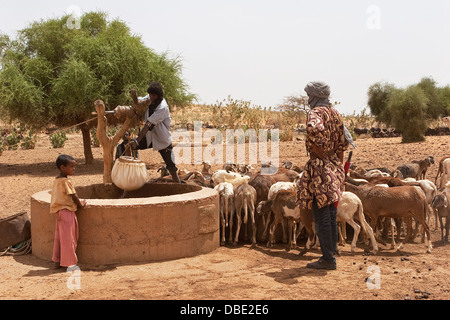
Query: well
{"points": [[160, 221]]}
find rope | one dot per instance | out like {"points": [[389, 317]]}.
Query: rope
{"points": [[21, 248], [79, 124]]}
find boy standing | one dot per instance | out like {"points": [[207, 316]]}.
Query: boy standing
{"points": [[64, 203]]}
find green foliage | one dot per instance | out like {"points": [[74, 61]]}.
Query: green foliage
{"points": [[378, 97], [361, 120], [444, 97], [435, 107], [2, 147], [58, 139], [29, 141], [239, 114], [52, 74], [408, 108], [21, 136], [12, 140]]}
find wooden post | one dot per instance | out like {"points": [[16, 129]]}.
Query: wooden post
{"points": [[108, 143]]}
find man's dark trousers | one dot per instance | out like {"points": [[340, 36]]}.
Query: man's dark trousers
{"points": [[326, 229]]}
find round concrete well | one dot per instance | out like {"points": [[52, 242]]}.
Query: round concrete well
{"points": [[160, 221]]}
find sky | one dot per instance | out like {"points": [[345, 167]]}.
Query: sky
{"points": [[263, 51]]}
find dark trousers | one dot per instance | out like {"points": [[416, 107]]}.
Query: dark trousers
{"points": [[169, 158], [166, 153], [326, 229]]}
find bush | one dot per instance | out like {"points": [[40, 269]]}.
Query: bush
{"points": [[29, 142], [2, 147], [12, 141], [408, 111], [58, 139]]}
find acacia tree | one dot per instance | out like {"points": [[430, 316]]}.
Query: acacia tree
{"points": [[410, 109], [294, 108], [52, 74], [378, 94]]}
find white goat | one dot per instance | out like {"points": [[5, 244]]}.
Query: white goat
{"points": [[226, 207], [375, 173], [244, 198], [445, 173], [240, 180], [274, 189], [349, 208], [224, 176]]}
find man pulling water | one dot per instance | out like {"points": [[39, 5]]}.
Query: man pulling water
{"points": [[156, 133]]}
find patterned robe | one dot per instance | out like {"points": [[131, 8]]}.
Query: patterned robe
{"points": [[323, 179]]}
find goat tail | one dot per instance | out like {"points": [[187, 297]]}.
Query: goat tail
{"points": [[245, 210], [226, 212]]}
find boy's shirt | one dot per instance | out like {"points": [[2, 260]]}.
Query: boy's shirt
{"points": [[62, 192]]}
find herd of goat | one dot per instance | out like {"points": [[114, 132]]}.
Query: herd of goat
{"points": [[378, 201]]}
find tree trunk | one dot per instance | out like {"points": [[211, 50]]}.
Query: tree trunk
{"points": [[88, 156]]}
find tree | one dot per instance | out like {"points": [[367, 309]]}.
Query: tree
{"points": [[444, 97], [379, 94], [295, 108], [408, 109], [435, 105], [52, 74]]}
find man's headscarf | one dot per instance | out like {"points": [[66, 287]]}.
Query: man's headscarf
{"points": [[318, 93]]}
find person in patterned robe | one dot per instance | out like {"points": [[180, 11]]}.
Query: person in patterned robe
{"points": [[322, 182]]}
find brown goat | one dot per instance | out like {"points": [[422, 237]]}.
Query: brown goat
{"points": [[399, 202], [262, 184], [423, 167]]}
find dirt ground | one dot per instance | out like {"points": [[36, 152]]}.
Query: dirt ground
{"points": [[244, 272]]}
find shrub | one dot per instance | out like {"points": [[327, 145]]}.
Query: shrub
{"points": [[2, 147], [29, 142], [58, 139], [12, 141], [408, 111]]}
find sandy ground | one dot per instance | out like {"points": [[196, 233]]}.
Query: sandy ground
{"points": [[242, 273]]}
